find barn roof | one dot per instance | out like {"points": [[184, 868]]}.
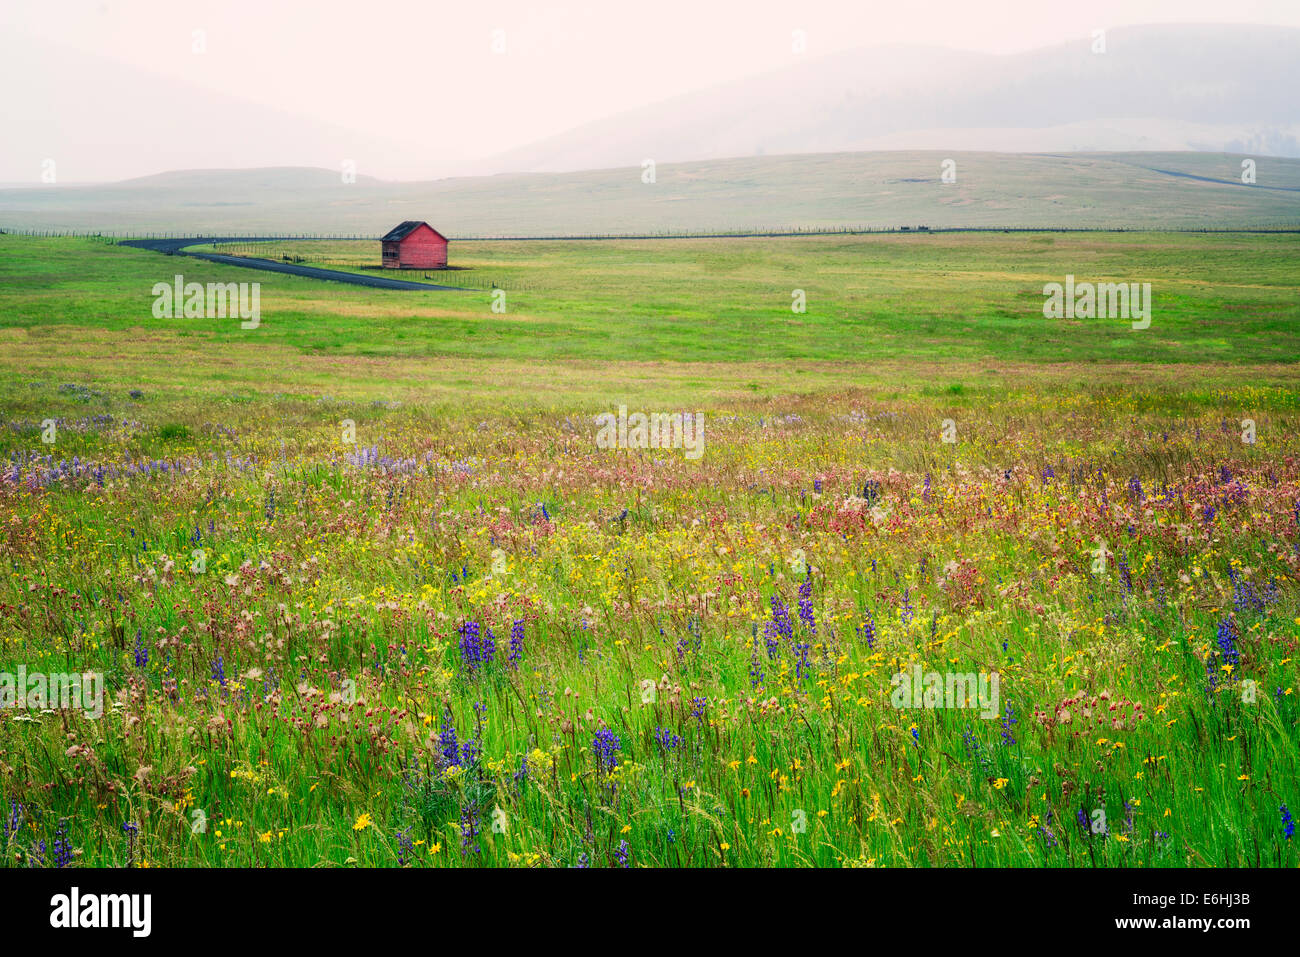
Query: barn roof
{"points": [[402, 230]]}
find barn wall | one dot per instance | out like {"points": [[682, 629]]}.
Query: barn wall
{"points": [[423, 249]]}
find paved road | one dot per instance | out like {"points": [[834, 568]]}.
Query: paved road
{"points": [[1221, 182], [179, 247]]}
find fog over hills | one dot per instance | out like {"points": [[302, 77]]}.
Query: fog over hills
{"points": [[1215, 88], [1149, 133], [129, 122], [1218, 88]]}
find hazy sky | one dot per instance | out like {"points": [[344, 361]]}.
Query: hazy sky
{"points": [[378, 67]]}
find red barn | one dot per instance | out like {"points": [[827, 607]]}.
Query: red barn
{"points": [[414, 245]]}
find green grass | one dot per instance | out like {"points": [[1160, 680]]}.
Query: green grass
{"points": [[1218, 299], [334, 578]]}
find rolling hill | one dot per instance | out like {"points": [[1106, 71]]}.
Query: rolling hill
{"points": [[877, 190], [1170, 87]]}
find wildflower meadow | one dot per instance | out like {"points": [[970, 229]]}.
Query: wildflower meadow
{"points": [[909, 621]]}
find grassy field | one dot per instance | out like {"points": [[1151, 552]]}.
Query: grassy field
{"points": [[870, 301], [461, 632]]}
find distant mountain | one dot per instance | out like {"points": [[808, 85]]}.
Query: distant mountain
{"points": [[1212, 88], [1184, 87], [242, 181], [50, 114]]}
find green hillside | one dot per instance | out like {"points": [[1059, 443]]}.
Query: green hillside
{"points": [[887, 189]]}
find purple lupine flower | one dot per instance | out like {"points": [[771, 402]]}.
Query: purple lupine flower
{"points": [[9, 827], [469, 829], [1049, 839], [606, 745], [781, 618], [668, 740], [447, 742], [516, 643], [1227, 645], [1245, 596], [772, 639], [62, 847], [871, 492], [1009, 719], [805, 605], [475, 650], [868, 631], [802, 665]]}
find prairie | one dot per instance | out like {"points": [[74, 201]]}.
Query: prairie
{"points": [[364, 589]]}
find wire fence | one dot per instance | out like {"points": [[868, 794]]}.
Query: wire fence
{"points": [[712, 233], [363, 263], [273, 248]]}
